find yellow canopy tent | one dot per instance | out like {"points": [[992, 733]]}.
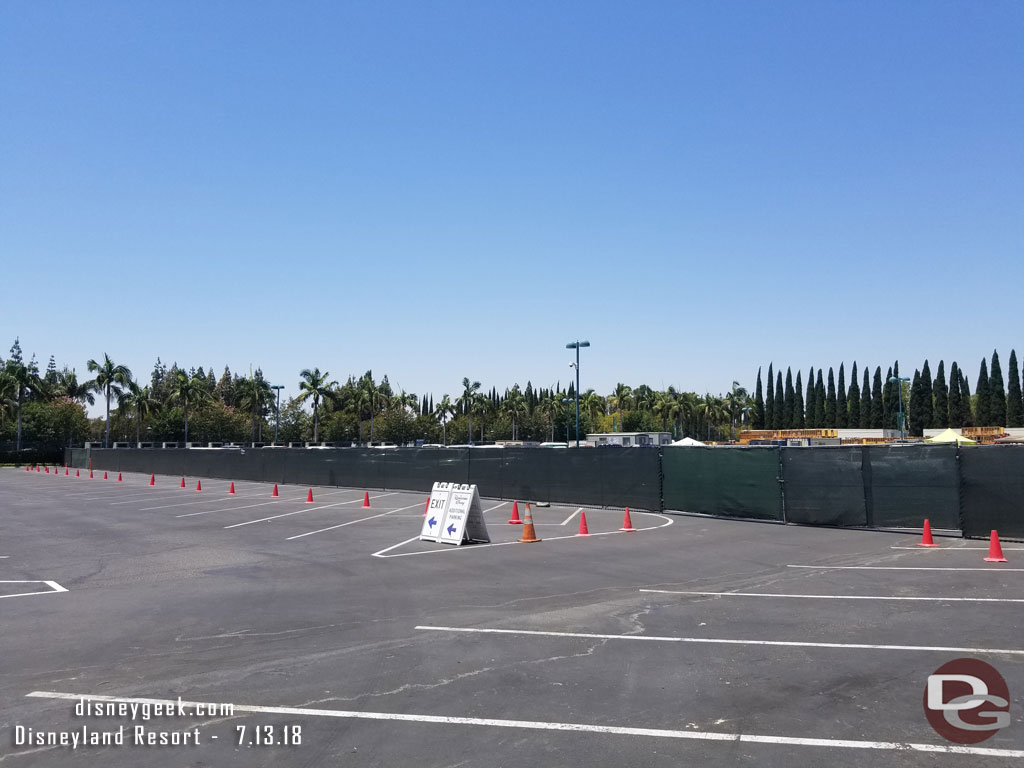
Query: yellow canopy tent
{"points": [[951, 436]]}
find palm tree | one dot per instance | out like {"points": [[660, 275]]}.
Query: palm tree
{"points": [[23, 380], [735, 400], [314, 386], [442, 411], [68, 386], [141, 401], [467, 402], [514, 406], [109, 380], [619, 399], [551, 407], [253, 394], [593, 403], [185, 390], [8, 400]]}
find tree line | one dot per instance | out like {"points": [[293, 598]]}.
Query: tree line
{"points": [[177, 404], [875, 401]]}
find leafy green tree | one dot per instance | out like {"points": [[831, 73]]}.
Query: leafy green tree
{"points": [[514, 407], [1014, 402], [877, 400], [758, 403], [853, 399], [925, 397], [188, 390], [916, 407], [70, 387], [954, 406], [769, 401], [982, 416], [620, 400], [314, 386], [940, 399], [996, 394], [889, 405], [830, 401], [841, 412], [109, 380]]}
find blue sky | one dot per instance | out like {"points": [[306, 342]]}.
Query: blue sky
{"points": [[449, 189]]}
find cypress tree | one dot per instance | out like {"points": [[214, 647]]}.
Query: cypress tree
{"points": [[819, 402], [1014, 402], [981, 414], [809, 400], [966, 410], [780, 403], [877, 401], [854, 399], [940, 399], [915, 420], [888, 408], [830, 402], [758, 422], [769, 401], [798, 404], [954, 406], [865, 401], [926, 397], [996, 394], [841, 418], [789, 404]]}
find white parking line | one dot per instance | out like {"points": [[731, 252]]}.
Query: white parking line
{"points": [[228, 509], [351, 522], [957, 549], [310, 509], [54, 588], [722, 641], [543, 725], [901, 568], [843, 597], [475, 547], [225, 495]]}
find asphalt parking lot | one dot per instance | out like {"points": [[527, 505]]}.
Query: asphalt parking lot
{"points": [[693, 641]]}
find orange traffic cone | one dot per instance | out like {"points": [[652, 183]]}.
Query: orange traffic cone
{"points": [[119, 478], [152, 479], [627, 524], [28, 468], [90, 474], [584, 531], [515, 514], [529, 532], [66, 471], [104, 475], [231, 490], [995, 550], [47, 470], [199, 485], [309, 496], [926, 537], [275, 494], [77, 473], [183, 482], [366, 498]]}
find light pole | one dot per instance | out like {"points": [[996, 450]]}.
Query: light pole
{"points": [[277, 423], [576, 345], [899, 386]]}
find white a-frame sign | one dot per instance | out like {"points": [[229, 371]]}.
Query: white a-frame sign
{"points": [[454, 515]]}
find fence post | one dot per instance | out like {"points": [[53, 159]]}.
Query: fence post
{"points": [[782, 487], [869, 499]]}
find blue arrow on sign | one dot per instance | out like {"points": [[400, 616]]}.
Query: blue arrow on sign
{"points": [[432, 522], [451, 529]]}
